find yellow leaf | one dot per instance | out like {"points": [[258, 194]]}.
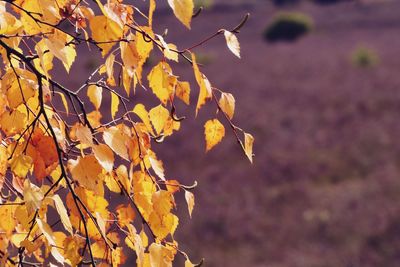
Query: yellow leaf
{"points": [[72, 246], [160, 256], [21, 165], [118, 257], [158, 117], [62, 211], [9, 25], [143, 47], [110, 69], [127, 80], [95, 94], [64, 101], [142, 113], [45, 60], [33, 197], [114, 104], [106, 32], [162, 82], [189, 197], [57, 44], [110, 182], [7, 222], [3, 162], [125, 214], [214, 131], [12, 122], [117, 140], [157, 166], [182, 91], [170, 52], [94, 118], [93, 201], [152, 7], [143, 189], [232, 42], [49, 235], [161, 220], [205, 86], [188, 263], [86, 170], [122, 176], [173, 186], [19, 90], [105, 156], [227, 104], [135, 242], [83, 134], [144, 238], [183, 10], [248, 146]]}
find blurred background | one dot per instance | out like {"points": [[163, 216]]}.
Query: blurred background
{"points": [[318, 86]]}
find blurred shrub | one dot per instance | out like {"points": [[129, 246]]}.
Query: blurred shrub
{"points": [[203, 3], [328, 2], [363, 57], [285, 2], [288, 26]]}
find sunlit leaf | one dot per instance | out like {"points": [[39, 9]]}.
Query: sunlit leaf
{"points": [[232, 43], [183, 10], [214, 131]]}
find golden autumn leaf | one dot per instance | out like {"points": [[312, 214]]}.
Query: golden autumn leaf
{"points": [[157, 166], [170, 52], [162, 82], [110, 69], [204, 85], [189, 197], [232, 43], [3, 162], [182, 91], [106, 32], [21, 165], [141, 112], [95, 94], [248, 146], [183, 10], [72, 245], [125, 214], [214, 131], [62, 211], [86, 170], [117, 141], [152, 8], [143, 189], [12, 122], [104, 156], [59, 46], [7, 222], [49, 235], [114, 104], [158, 117], [161, 220], [33, 197], [227, 104], [83, 134]]}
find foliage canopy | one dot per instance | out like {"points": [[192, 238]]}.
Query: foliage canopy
{"points": [[61, 161]]}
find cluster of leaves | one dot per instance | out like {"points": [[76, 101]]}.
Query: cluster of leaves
{"points": [[60, 163]]}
